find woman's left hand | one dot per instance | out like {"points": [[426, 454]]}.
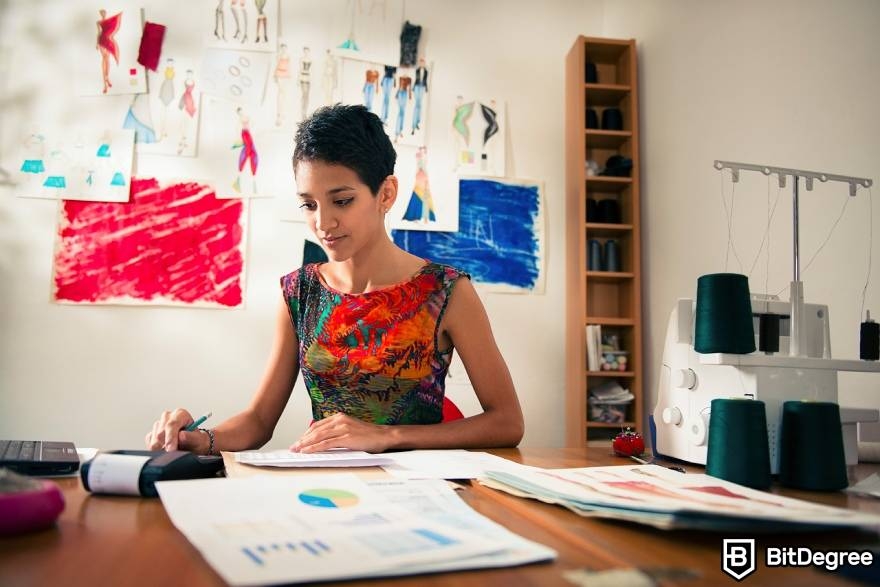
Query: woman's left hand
{"points": [[342, 431]]}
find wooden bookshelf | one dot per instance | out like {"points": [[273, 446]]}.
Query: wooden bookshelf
{"points": [[611, 299]]}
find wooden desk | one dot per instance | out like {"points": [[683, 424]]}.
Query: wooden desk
{"points": [[104, 540]]}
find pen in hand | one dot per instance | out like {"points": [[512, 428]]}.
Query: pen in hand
{"points": [[192, 427]]}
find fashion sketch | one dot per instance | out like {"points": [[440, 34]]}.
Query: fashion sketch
{"points": [[248, 154], [421, 204], [305, 82], [261, 20], [281, 75], [106, 43]]}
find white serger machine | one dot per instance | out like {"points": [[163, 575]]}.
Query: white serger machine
{"points": [[689, 381]]}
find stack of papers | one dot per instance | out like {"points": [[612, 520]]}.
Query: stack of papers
{"points": [[660, 497], [269, 529], [330, 458]]}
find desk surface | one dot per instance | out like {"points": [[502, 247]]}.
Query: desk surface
{"points": [[105, 540]]}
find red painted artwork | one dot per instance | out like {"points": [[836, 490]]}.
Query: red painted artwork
{"points": [[168, 245]]}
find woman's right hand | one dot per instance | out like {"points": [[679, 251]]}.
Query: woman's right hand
{"points": [[168, 433]]}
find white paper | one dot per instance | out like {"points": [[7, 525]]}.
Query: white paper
{"points": [[330, 458], [445, 464], [109, 473], [282, 529], [869, 487]]}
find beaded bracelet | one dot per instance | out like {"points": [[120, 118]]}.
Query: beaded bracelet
{"points": [[210, 433]]}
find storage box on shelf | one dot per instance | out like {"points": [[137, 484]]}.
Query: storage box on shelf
{"points": [[603, 267]]}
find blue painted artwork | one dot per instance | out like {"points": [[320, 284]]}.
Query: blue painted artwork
{"points": [[499, 239], [118, 179]]}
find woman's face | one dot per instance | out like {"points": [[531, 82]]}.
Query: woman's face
{"points": [[340, 209]]}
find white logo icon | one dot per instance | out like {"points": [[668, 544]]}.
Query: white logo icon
{"points": [[738, 558]]}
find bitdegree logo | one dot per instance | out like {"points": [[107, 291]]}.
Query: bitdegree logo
{"points": [[738, 557], [831, 560]]}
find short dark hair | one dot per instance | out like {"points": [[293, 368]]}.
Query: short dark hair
{"points": [[347, 135]]}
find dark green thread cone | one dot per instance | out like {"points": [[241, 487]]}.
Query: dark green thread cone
{"points": [[738, 450], [724, 315]]}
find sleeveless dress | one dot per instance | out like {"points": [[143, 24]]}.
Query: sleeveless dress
{"points": [[373, 355]]}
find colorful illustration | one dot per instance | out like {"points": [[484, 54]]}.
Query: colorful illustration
{"points": [[241, 24], [500, 238], [421, 204], [81, 165], [397, 95], [235, 147], [106, 53], [175, 105], [479, 139], [149, 250], [106, 44]]}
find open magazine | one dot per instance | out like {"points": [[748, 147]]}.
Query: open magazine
{"points": [[663, 498]]}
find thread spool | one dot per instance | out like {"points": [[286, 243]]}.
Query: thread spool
{"points": [[595, 262], [612, 259], [592, 76], [612, 119], [738, 449], [724, 315], [869, 339], [592, 210], [592, 118], [609, 211], [811, 454], [768, 333]]}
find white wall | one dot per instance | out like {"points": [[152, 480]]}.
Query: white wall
{"points": [[793, 83], [99, 375]]}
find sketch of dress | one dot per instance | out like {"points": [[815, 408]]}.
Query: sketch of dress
{"points": [[107, 47], [139, 120], [421, 203], [166, 94], [248, 153]]}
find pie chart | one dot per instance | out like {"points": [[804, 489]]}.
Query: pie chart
{"points": [[328, 498]]}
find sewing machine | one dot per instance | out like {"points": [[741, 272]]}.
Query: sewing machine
{"points": [[689, 381]]}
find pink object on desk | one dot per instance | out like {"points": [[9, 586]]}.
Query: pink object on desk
{"points": [[33, 508]]}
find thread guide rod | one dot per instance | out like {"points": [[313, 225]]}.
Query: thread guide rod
{"points": [[797, 287]]}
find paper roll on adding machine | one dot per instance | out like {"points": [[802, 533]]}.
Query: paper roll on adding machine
{"points": [[801, 369]]}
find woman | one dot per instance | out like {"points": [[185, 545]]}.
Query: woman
{"points": [[373, 329]]}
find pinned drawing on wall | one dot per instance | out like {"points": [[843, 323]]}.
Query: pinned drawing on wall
{"points": [[500, 240], [232, 145], [397, 95], [305, 82], [174, 99], [331, 78], [239, 76], [82, 165], [107, 53], [479, 137], [424, 201], [241, 24], [150, 251], [282, 78], [421, 202]]}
